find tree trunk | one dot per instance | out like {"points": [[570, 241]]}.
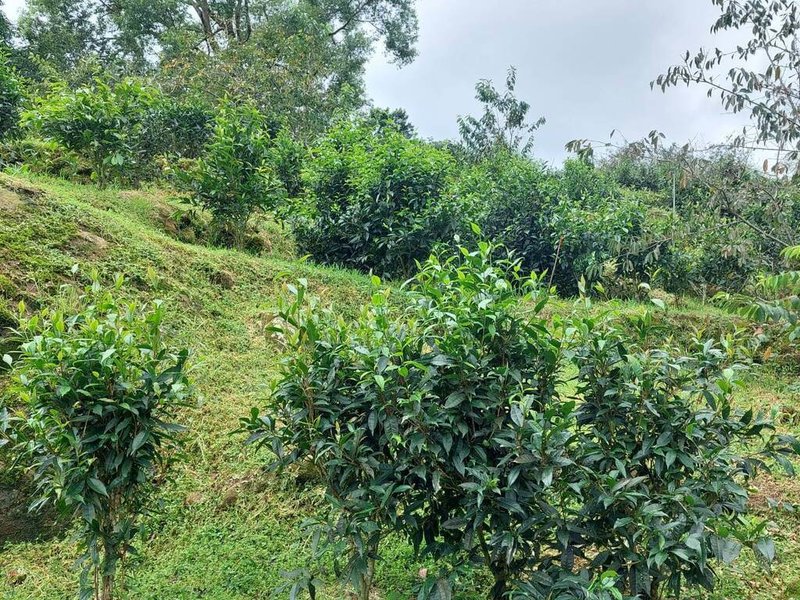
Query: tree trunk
{"points": [[500, 587], [365, 586], [107, 589]]}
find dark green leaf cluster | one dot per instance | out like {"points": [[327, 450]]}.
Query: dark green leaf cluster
{"points": [[376, 200], [664, 473], [242, 170], [447, 423], [568, 223], [95, 392], [443, 424]]}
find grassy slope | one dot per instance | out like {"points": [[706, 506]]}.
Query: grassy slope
{"points": [[227, 530]]}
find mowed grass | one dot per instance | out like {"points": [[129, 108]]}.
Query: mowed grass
{"points": [[225, 529]]}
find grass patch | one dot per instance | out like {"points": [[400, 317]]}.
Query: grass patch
{"points": [[226, 529]]}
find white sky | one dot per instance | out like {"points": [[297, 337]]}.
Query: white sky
{"points": [[585, 65]]}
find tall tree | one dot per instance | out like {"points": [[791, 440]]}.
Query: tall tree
{"points": [[290, 68], [6, 29], [760, 76], [299, 60], [138, 31]]}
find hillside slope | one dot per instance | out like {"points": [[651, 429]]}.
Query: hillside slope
{"points": [[226, 529]]}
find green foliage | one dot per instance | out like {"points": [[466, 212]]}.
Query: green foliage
{"points": [[287, 156], [376, 201], [137, 32], [443, 424], [383, 118], [44, 156], [569, 223], [175, 129], [95, 391], [591, 223], [11, 96], [224, 529], [235, 176], [665, 479], [291, 69], [299, 61], [777, 298], [103, 123], [491, 435], [446, 424], [509, 196], [119, 128], [717, 222], [503, 126]]}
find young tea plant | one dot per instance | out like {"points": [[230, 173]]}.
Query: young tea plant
{"points": [[665, 460], [234, 177], [95, 391], [440, 422]]}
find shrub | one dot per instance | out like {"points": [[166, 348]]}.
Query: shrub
{"points": [[174, 129], [569, 224], [494, 435], [590, 231], [443, 424], [287, 156], [234, 177], [664, 468], [508, 196], [583, 183], [103, 123], [95, 390], [775, 298], [377, 201], [11, 96], [44, 156]]}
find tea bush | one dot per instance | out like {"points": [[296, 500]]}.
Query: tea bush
{"points": [[509, 196], [569, 223], [176, 129], [120, 128], [235, 176], [588, 232], [48, 157], [104, 123], [445, 423], [95, 391], [11, 96], [376, 201]]}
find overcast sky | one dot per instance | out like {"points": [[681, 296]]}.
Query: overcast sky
{"points": [[585, 65]]}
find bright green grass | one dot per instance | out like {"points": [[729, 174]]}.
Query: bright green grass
{"points": [[226, 529]]}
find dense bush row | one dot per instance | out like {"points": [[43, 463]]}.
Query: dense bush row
{"points": [[370, 195]]}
